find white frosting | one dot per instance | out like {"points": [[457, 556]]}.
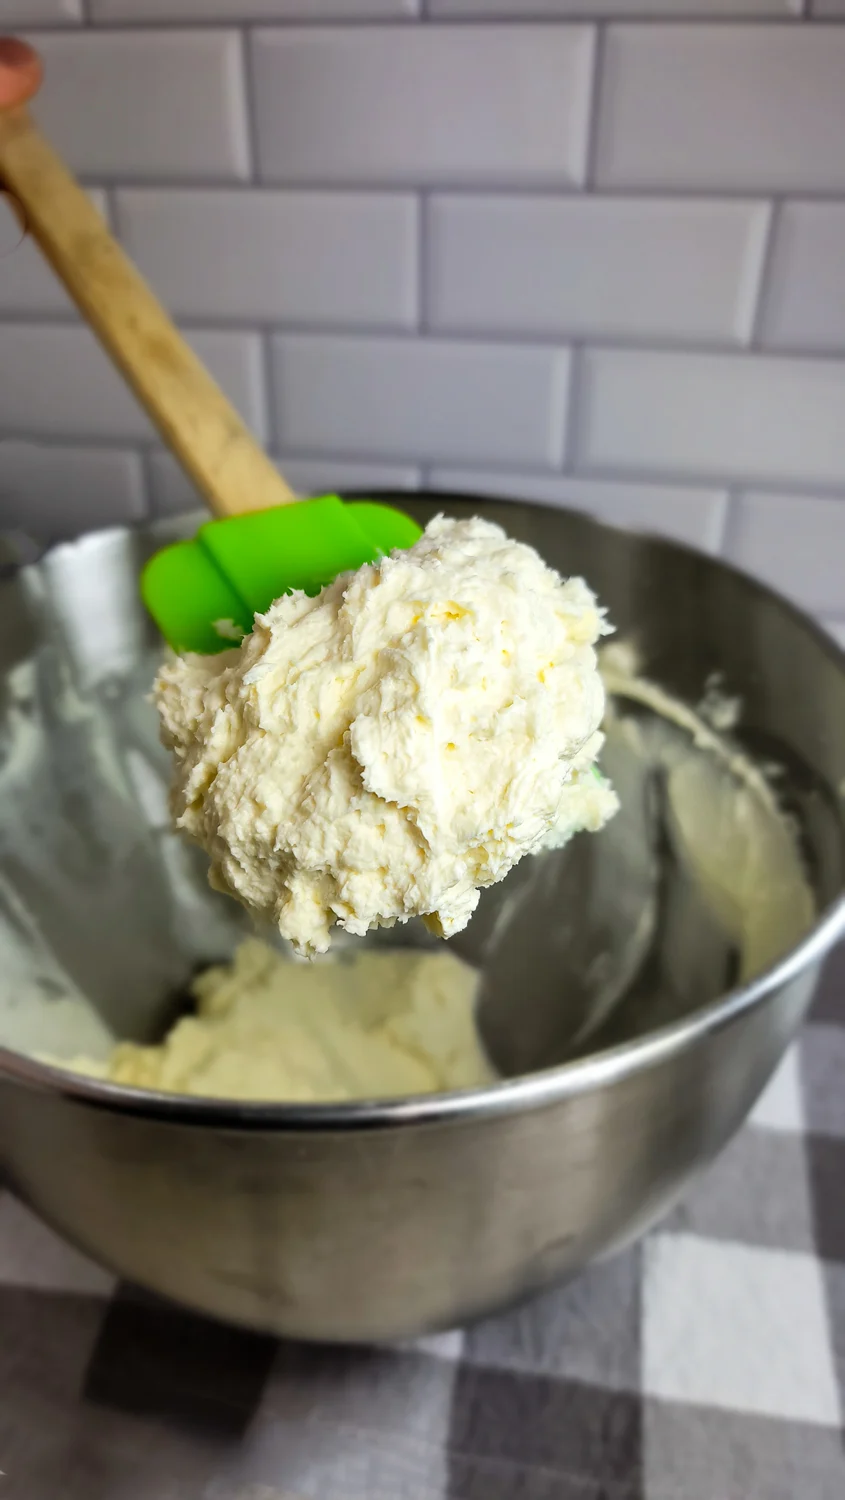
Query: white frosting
{"points": [[386, 749], [724, 818], [385, 1023]]}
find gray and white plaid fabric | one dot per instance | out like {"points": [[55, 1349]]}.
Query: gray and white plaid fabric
{"points": [[708, 1363]]}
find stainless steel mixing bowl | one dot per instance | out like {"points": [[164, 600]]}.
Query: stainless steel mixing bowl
{"points": [[617, 998]]}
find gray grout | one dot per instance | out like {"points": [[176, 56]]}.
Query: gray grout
{"points": [[112, 210], [76, 440], [548, 187], [719, 479], [726, 544], [423, 243], [270, 390], [146, 480], [574, 408], [765, 277], [487, 338], [593, 112], [425, 467], [250, 103], [660, 479], [551, 189], [527, 18], [482, 339]]}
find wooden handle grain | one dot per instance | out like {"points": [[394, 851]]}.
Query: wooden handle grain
{"points": [[195, 419]]}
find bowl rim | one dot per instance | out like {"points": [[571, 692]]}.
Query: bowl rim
{"points": [[528, 1092]]}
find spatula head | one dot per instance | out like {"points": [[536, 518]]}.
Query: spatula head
{"points": [[203, 594]]}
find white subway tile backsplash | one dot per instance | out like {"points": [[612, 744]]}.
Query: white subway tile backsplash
{"points": [[172, 491], [712, 416], [236, 360], [271, 256], [57, 382], [610, 267], [40, 12], [805, 298], [420, 399], [320, 476], [747, 108], [414, 205], [54, 492], [150, 11], [27, 284], [683, 512], [796, 543], [145, 103], [423, 104]]}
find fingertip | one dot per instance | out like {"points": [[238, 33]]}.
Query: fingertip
{"points": [[21, 71]]}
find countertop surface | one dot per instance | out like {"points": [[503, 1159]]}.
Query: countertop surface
{"points": [[706, 1363]]}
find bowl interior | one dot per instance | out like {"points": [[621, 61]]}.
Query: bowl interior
{"points": [[105, 915]]}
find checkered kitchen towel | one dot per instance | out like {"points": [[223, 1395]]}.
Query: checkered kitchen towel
{"points": [[707, 1363]]}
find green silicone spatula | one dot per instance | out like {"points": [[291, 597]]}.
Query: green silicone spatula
{"points": [[203, 593]]}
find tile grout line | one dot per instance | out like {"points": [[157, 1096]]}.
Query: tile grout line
{"points": [[548, 188], [529, 19], [574, 407], [596, 91], [735, 485], [75, 442], [481, 339], [423, 239], [145, 460], [111, 211], [245, 51], [266, 362], [765, 274], [271, 394], [791, 488], [729, 524]]}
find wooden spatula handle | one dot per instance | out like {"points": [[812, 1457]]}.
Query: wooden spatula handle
{"points": [[195, 419]]}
